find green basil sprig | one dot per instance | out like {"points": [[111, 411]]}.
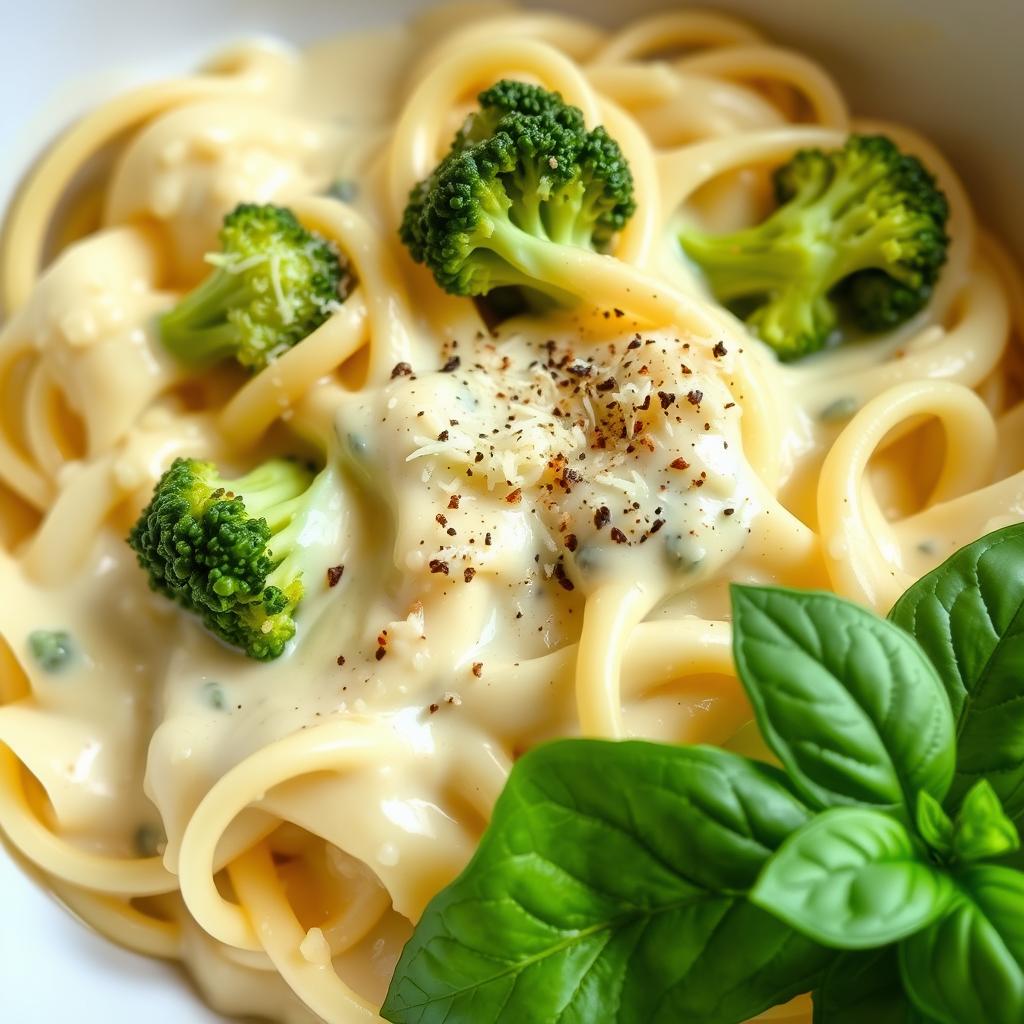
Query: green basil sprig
{"points": [[637, 883], [865, 987], [848, 702], [614, 874], [968, 616], [970, 965], [854, 878]]}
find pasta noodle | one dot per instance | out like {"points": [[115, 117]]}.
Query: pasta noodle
{"points": [[279, 827]]}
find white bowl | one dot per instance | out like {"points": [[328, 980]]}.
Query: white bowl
{"points": [[950, 68]]}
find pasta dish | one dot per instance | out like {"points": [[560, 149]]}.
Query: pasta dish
{"points": [[430, 451]]}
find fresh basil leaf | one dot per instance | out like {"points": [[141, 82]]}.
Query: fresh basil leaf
{"points": [[968, 968], [613, 875], [852, 878], [1014, 859], [982, 830], [968, 615], [863, 987], [848, 702], [933, 824]]}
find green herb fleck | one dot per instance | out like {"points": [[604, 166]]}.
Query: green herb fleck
{"points": [[150, 840], [841, 409], [344, 189], [53, 649], [213, 696]]}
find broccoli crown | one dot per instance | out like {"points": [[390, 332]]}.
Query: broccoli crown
{"points": [[222, 549], [523, 177], [511, 97], [273, 283], [859, 232]]}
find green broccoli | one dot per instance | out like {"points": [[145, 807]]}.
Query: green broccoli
{"points": [[524, 177], [859, 232], [230, 550], [511, 97], [273, 284]]}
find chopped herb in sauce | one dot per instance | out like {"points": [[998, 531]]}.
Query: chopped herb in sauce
{"points": [[150, 840], [840, 409], [213, 695], [344, 189], [53, 649]]}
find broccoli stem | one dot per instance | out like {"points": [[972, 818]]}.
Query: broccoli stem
{"points": [[293, 537], [525, 191], [563, 218], [777, 253], [197, 330], [565, 272], [274, 491]]}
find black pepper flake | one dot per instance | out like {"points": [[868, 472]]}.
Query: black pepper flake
{"points": [[618, 536], [695, 397], [468, 574], [334, 575], [571, 542], [341, 659], [453, 501], [514, 497], [436, 565], [580, 369], [450, 531], [719, 350], [479, 457], [666, 398], [443, 436], [563, 581], [453, 364], [656, 525], [380, 652], [441, 519], [679, 463], [433, 708], [729, 405], [728, 511], [478, 668], [487, 539], [602, 516], [618, 312], [401, 370], [607, 385]]}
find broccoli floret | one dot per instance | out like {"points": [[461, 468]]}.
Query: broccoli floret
{"points": [[511, 97], [274, 282], [229, 550], [524, 177], [859, 231]]}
